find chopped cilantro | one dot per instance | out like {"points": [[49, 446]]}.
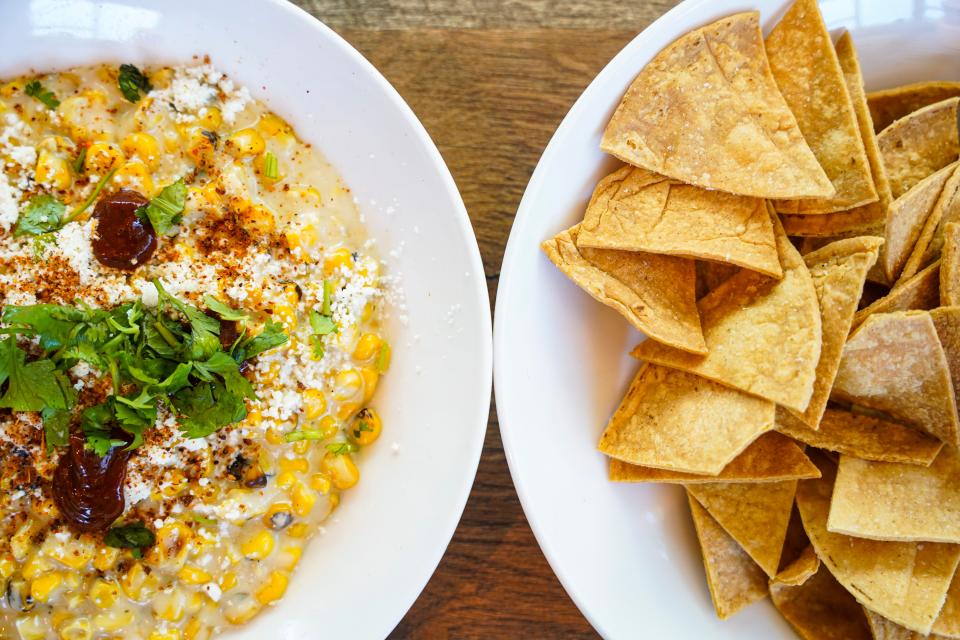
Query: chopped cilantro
{"points": [[43, 214], [340, 448], [132, 81], [35, 90], [56, 427], [133, 536], [165, 210], [225, 311]]}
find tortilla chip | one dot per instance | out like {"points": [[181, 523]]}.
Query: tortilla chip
{"points": [[734, 580], [894, 363], [903, 581], [655, 293], [707, 111], [862, 436], [763, 335], [948, 622], [930, 243], [947, 322], [894, 501], [711, 275], [673, 420], [796, 542], [630, 210], [755, 515], [817, 606], [808, 72], [906, 219], [884, 629], [950, 265], [770, 458], [921, 292], [839, 271], [889, 105], [920, 144], [865, 220]]}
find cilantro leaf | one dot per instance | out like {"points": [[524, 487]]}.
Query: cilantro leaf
{"points": [[132, 81], [272, 336], [321, 324], [32, 386], [165, 210], [130, 536], [225, 311], [35, 90], [207, 407], [53, 323], [56, 427], [43, 214], [228, 369]]}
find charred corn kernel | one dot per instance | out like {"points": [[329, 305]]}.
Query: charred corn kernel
{"points": [[274, 588], [370, 377], [12, 88], [111, 621], [367, 346], [292, 294], [347, 410], [285, 480], [303, 499], [258, 220], [194, 575], [259, 546], [321, 482], [228, 580], [270, 124], [42, 588], [294, 464], [101, 157], [77, 629], [211, 118], [365, 428], [134, 174], [290, 557], [170, 606], [341, 470], [298, 530], [246, 142], [36, 564], [53, 170], [144, 146], [282, 508], [7, 565], [165, 634], [315, 404], [200, 147], [104, 594], [105, 558], [347, 384], [341, 258]]}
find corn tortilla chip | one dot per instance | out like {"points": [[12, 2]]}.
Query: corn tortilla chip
{"points": [[734, 580], [930, 243], [884, 629], [922, 292], [920, 144], [947, 322], [655, 293], [673, 420], [770, 458], [863, 436], [711, 275], [904, 581], [950, 266], [807, 70], [889, 105], [906, 219], [754, 514], [763, 335], [895, 501], [839, 271], [894, 363], [796, 542], [631, 211], [865, 220], [707, 111], [948, 622], [818, 607]]}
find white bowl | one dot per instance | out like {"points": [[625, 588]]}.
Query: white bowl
{"points": [[627, 555], [360, 577]]}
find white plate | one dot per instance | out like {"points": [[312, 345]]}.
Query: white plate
{"points": [[627, 555], [378, 552]]}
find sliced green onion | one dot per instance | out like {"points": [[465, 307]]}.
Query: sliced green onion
{"points": [[78, 161], [93, 197], [383, 358], [304, 434], [340, 448], [271, 167], [327, 297]]}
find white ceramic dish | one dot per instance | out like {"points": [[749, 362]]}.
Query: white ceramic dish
{"points": [[360, 577], [628, 555]]}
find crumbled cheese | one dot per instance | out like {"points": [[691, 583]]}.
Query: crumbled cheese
{"points": [[9, 203]]}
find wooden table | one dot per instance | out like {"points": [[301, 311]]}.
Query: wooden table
{"points": [[491, 81]]}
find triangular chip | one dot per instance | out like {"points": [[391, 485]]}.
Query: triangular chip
{"points": [[920, 144], [707, 111], [906, 219], [734, 580], [839, 271], [763, 335], [884, 629], [711, 275], [947, 322], [630, 210], [903, 581], [815, 604], [770, 458], [867, 220], [894, 501], [889, 105], [922, 292], [950, 265], [655, 293], [930, 243], [673, 420], [796, 542], [863, 436], [948, 622], [806, 68], [894, 363], [754, 514]]}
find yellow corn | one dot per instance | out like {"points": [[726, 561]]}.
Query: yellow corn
{"points": [[274, 436], [53, 170], [298, 530], [294, 464], [7, 565], [12, 88], [366, 427], [285, 315], [165, 634], [85, 115], [370, 377], [75, 555], [105, 558], [341, 470], [228, 581], [101, 157], [43, 587], [274, 588], [321, 482], [104, 594], [77, 629], [347, 384], [246, 142], [170, 606], [301, 447], [211, 118], [134, 174], [258, 220], [367, 346], [194, 575], [339, 258], [285, 480], [35, 565], [133, 580], [270, 124], [303, 499], [113, 620], [144, 146], [200, 148], [328, 427], [290, 557], [243, 612], [259, 546], [347, 410]]}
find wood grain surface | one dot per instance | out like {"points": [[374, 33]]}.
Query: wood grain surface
{"points": [[491, 81]]}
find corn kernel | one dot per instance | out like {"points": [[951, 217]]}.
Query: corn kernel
{"points": [[7, 565], [274, 588], [341, 469], [340, 258], [133, 580], [144, 146], [274, 436], [85, 116], [101, 158], [211, 118], [285, 480], [347, 410], [347, 384], [285, 315], [259, 546], [77, 629], [321, 482], [367, 346], [134, 174], [75, 555], [328, 427], [104, 594], [12, 88], [294, 464], [170, 606], [43, 587], [365, 428], [35, 565], [303, 499], [243, 612], [301, 447], [258, 220], [290, 557], [228, 580], [113, 620], [105, 557], [270, 124], [246, 142], [165, 634], [194, 575], [53, 170], [298, 530], [370, 377]]}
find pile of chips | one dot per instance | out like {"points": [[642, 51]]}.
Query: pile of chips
{"points": [[791, 247]]}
